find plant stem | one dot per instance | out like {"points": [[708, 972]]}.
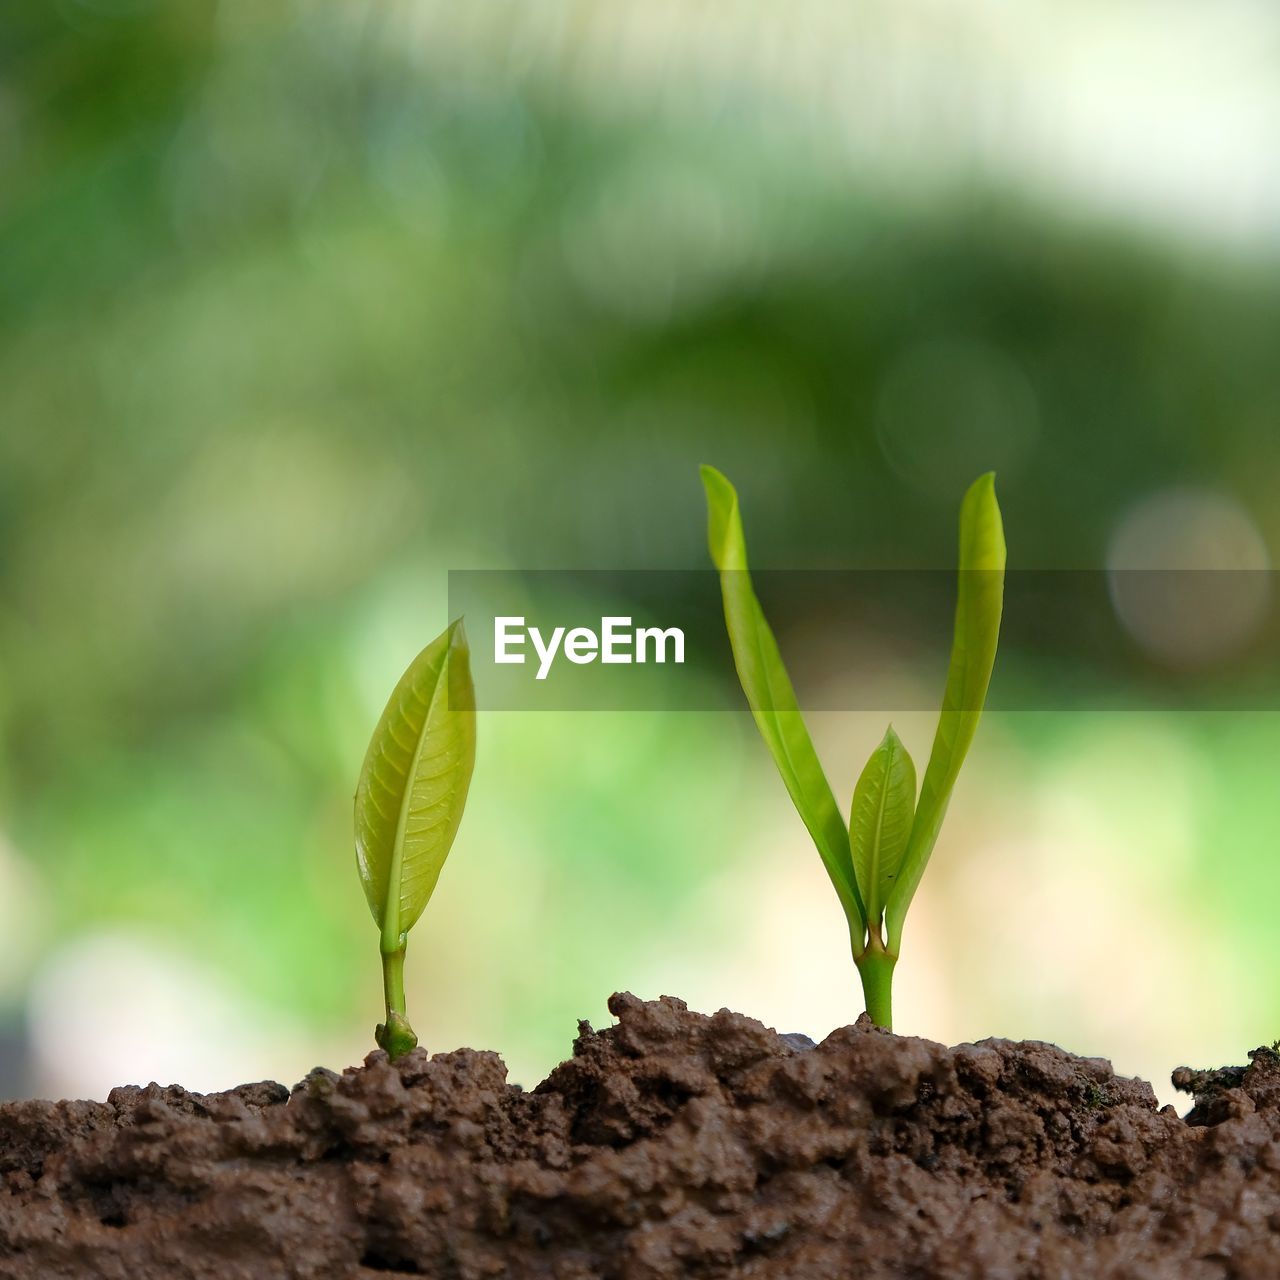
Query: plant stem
{"points": [[393, 979], [395, 1035], [875, 967]]}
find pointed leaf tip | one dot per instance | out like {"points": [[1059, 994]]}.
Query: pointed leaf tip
{"points": [[724, 525], [982, 544], [880, 821]]}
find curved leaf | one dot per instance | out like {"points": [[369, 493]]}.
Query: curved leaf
{"points": [[973, 654], [884, 803], [414, 783], [771, 696]]}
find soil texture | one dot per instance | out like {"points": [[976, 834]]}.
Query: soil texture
{"points": [[670, 1145]]}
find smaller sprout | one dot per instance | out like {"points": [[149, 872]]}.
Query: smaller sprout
{"points": [[875, 864], [409, 802]]}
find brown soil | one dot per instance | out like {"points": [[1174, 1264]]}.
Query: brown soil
{"points": [[672, 1144]]}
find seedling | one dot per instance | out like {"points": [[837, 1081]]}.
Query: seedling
{"points": [[876, 862], [409, 802]]}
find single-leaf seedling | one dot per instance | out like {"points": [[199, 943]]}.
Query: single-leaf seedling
{"points": [[875, 863], [409, 802]]}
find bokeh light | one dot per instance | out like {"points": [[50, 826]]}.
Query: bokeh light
{"points": [[1189, 576]]}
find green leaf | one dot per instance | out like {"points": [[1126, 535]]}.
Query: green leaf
{"points": [[414, 783], [973, 653], [884, 803], [771, 697]]}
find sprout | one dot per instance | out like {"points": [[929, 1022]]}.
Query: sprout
{"points": [[876, 863], [409, 802]]}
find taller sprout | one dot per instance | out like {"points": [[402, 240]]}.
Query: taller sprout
{"points": [[876, 862]]}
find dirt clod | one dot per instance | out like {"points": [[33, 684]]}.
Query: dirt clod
{"points": [[670, 1145]]}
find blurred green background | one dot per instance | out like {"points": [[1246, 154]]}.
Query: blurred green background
{"points": [[302, 305]]}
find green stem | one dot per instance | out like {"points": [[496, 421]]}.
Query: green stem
{"points": [[393, 979], [875, 967], [395, 1035]]}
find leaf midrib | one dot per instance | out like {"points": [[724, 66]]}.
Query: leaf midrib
{"points": [[391, 909], [873, 870]]}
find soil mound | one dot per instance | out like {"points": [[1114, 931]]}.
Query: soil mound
{"points": [[670, 1145]]}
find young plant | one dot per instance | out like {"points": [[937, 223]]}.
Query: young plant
{"points": [[409, 802], [876, 862]]}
